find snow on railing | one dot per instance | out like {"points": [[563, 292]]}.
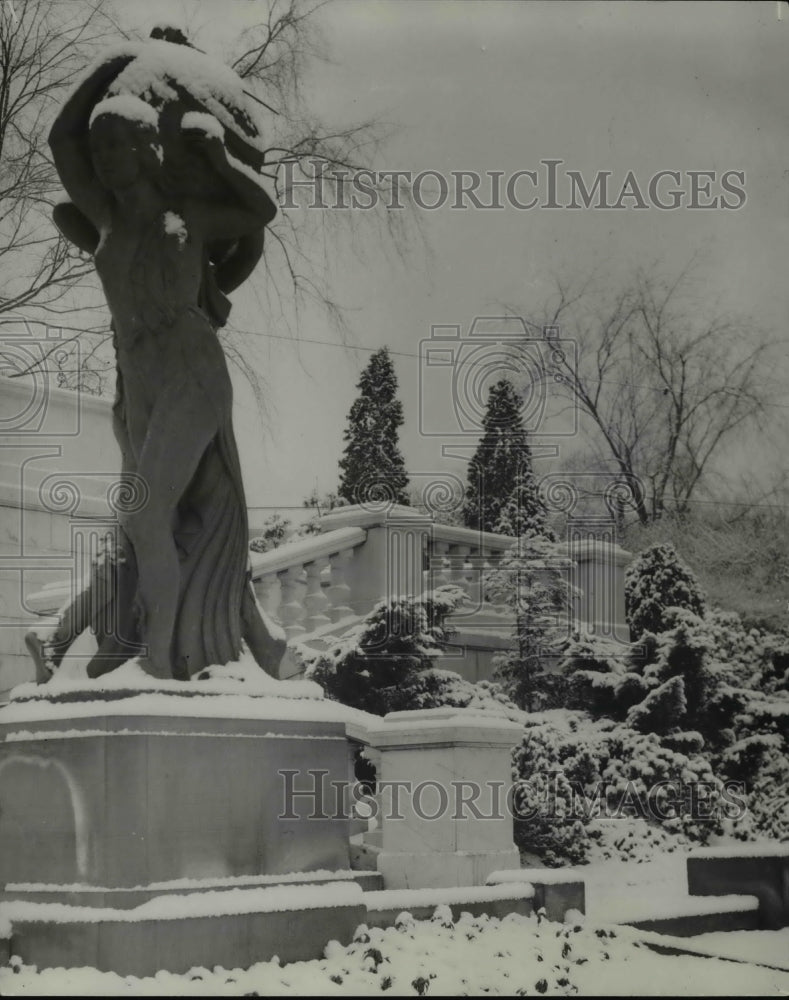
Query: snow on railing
{"points": [[464, 556], [320, 584], [304, 584]]}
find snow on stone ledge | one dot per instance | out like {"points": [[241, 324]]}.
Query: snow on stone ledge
{"points": [[242, 676], [544, 876], [631, 911], [235, 690], [403, 899], [172, 885], [276, 899], [769, 849]]}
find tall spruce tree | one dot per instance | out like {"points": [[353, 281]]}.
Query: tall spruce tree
{"points": [[500, 476], [525, 514], [372, 467]]}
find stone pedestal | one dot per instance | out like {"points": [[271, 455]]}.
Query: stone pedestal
{"points": [[443, 782], [124, 801], [145, 812]]}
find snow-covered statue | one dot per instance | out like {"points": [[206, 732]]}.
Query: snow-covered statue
{"points": [[160, 157]]}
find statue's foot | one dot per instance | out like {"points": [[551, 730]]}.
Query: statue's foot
{"points": [[35, 647]]}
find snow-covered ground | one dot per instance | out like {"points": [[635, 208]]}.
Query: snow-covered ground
{"points": [[517, 955], [768, 947], [514, 956]]}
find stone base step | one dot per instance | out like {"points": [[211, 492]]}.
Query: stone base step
{"points": [[699, 915], [233, 928], [384, 907], [129, 898]]}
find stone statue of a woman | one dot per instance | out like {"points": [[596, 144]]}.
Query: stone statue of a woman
{"points": [[164, 195]]}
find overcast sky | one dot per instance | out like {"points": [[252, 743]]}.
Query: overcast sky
{"points": [[492, 86]]}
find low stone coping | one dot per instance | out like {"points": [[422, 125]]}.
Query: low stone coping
{"points": [[544, 876], [741, 851], [438, 727], [191, 905], [406, 899]]}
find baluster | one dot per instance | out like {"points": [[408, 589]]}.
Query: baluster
{"points": [[267, 593], [291, 606], [473, 579], [439, 565], [339, 592], [315, 601], [457, 564], [492, 560]]}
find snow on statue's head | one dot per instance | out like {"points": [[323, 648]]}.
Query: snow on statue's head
{"points": [[124, 140]]}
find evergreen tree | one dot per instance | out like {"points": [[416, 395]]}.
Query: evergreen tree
{"points": [[372, 467], [500, 466], [532, 579], [524, 514], [655, 582]]}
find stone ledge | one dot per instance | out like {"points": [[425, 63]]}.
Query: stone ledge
{"points": [[143, 943]]}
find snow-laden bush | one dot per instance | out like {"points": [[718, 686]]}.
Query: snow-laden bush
{"points": [[598, 676], [656, 581], [276, 529], [385, 663], [571, 771], [376, 665]]}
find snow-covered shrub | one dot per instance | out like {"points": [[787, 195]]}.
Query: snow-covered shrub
{"points": [[379, 665], [655, 582], [597, 675], [571, 771], [436, 688], [273, 533], [662, 708], [704, 694]]}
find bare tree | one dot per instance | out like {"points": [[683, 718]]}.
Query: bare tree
{"points": [[43, 45], [664, 383]]}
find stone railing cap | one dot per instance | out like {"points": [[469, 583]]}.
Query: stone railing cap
{"points": [[305, 550], [423, 727]]}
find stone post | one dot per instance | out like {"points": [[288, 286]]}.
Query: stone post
{"points": [[444, 777]]}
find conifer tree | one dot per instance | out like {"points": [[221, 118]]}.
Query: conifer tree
{"points": [[655, 582], [501, 466], [524, 514], [372, 467]]}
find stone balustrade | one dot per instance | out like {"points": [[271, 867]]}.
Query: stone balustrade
{"points": [[319, 585], [306, 585]]}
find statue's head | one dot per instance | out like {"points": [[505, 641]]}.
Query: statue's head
{"points": [[124, 141]]}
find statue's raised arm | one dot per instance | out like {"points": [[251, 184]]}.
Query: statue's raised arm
{"points": [[69, 141]]}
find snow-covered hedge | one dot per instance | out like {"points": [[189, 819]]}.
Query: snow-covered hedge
{"points": [[573, 771]]}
